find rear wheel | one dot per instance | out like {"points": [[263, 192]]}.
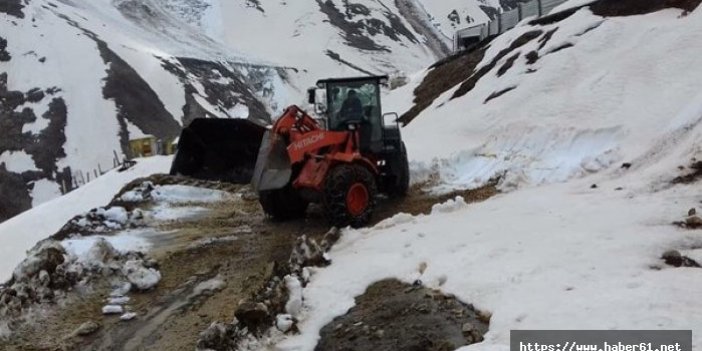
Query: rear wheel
{"points": [[349, 195], [283, 204]]}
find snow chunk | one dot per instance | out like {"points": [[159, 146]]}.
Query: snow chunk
{"points": [[294, 304], [239, 111], [128, 316], [122, 300], [141, 277], [112, 309], [120, 290], [115, 214], [284, 322]]}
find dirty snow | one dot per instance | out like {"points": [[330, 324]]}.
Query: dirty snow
{"points": [[112, 309], [22, 232], [128, 316], [141, 277], [211, 285], [123, 242]]}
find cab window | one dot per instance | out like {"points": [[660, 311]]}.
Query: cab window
{"points": [[352, 102]]}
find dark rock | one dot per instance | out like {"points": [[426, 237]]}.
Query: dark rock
{"points": [[532, 57], [12, 8], [35, 95], [676, 259], [406, 325], [693, 222], [253, 315]]}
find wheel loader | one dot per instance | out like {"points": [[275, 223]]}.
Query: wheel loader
{"points": [[342, 158]]}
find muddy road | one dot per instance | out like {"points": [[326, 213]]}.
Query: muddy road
{"points": [[209, 263]]}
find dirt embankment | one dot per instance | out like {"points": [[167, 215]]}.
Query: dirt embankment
{"points": [[392, 315]]}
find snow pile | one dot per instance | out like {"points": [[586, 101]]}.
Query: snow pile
{"points": [[51, 273]]}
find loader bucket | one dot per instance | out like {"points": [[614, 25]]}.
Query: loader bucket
{"points": [[273, 169], [218, 149]]}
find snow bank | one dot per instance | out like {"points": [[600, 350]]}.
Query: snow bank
{"points": [[19, 234], [574, 112], [534, 258]]}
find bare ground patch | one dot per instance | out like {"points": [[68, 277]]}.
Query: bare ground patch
{"points": [[392, 315]]}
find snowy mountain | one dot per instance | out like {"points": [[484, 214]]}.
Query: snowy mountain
{"points": [[79, 79]]}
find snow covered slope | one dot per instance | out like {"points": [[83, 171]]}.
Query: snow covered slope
{"points": [[594, 136], [81, 78], [598, 91]]}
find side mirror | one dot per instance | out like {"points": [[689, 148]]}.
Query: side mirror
{"points": [[391, 120]]}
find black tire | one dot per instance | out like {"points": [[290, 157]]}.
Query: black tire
{"points": [[401, 185], [283, 204], [338, 185]]}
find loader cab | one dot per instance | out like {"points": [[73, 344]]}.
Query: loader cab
{"points": [[353, 102]]}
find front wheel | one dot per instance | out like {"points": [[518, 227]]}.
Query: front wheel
{"points": [[349, 195]]}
